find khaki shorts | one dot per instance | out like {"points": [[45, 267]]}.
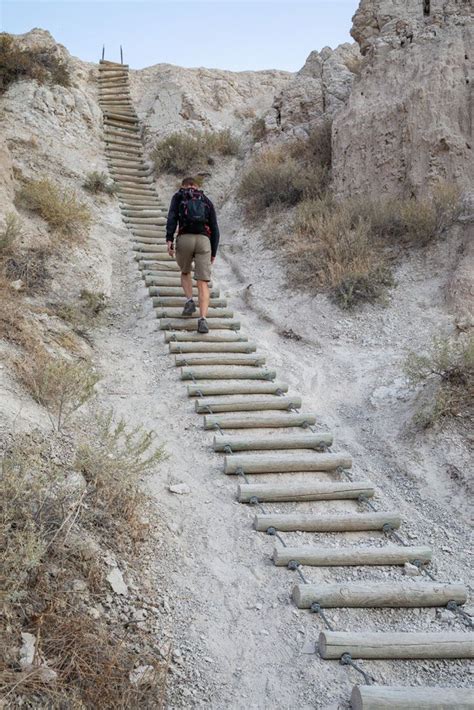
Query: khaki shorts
{"points": [[197, 248]]}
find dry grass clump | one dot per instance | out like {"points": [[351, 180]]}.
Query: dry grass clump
{"points": [[16, 63], [258, 129], [48, 580], [96, 182], [10, 232], [181, 153], [288, 174], [332, 248], [29, 267], [61, 386], [114, 463], [449, 366], [60, 208]]}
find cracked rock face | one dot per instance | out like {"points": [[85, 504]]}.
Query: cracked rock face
{"points": [[408, 121], [319, 90]]}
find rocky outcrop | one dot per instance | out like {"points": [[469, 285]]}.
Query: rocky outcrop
{"points": [[319, 90], [408, 121], [169, 98]]}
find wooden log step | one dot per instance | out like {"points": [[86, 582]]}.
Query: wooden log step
{"points": [[132, 172], [117, 82], [175, 291], [225, 337], [157, 212], [121, 118], [382, 697], [147, 247], [148, 233], [213, 313], [156, 257], [258, 421], [213, 406], [378, 594], [239, 387], [142, 203], [199, 359], [350, 556], [133, 180], [166, 272], [117, 134], [275, 493], [154, 220], [129, 131], [128, 162], [191, 323], [290, 463], [179, 301], [113, 151], [399, 644], [316, 441], [206, 347], [226, 372], [309, 522], [165, 280]]}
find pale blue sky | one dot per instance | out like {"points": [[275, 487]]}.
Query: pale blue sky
{"points": [[227, 34]]}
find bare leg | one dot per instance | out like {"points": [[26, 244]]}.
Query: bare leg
{"points": [[187, 284], [203, 290]]}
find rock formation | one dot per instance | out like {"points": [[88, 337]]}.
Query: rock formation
{"points": [[319, 90], [408, 121]]}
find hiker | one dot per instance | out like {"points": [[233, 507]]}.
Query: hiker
{"points": [[197, 240]]}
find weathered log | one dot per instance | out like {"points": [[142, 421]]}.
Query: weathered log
{"points": [[191, 323], [157, 257], [213, 313], [156, 221], [244, 404], [212, 359], [179, 301], [316, 441], [148, 248], [226, 372], [268, 492], [350, 556], [378, 594], [382, 697], [226, 337], [169, 267], [163, 280], [148, 233], [119, 117], [255, 421], [206, 347], [158, 212], [310, 522], [240, 387], [286, 463], [175, 291], [400, 644]]}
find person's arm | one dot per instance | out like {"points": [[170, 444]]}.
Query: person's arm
{"points": [[214, 227], [172, 221]]}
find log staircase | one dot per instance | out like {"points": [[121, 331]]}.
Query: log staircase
{"points": [[234, 390]]}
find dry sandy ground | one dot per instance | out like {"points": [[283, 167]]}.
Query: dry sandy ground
{"points": [[240, 642]]}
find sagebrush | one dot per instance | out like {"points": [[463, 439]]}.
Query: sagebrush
{"points": [[181, 153], [10, 232], [59, 207]]}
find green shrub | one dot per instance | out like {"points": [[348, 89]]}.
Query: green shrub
{"points": [[41, 65], [449, 364], [60, 208], [96, 182], [181, 153]]}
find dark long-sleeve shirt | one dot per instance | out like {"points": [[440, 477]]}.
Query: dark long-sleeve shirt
{"points": [[211, 229]]}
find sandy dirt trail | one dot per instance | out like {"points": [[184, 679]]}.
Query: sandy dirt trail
{"points": [[239, 641]]}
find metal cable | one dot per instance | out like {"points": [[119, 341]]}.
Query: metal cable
{"points": [[346, 660]]}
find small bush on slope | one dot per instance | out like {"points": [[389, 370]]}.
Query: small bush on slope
{"points": [[10, 233], [96, 182], [61, 386], [60, 208], [181, 153], [288, 174], [16, 63], [450, 365], [332, 248]]}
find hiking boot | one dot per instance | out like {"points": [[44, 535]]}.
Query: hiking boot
{"points": [[202, 326], [189, 307]]}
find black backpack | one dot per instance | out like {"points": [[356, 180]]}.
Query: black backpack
{"points": [[193, 211]]}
